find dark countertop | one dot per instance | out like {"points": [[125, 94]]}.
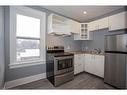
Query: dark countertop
{"points": [[86, 52], [64, 54]]}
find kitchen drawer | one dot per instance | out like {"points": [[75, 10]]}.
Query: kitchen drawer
{"points": [[60, 79]]}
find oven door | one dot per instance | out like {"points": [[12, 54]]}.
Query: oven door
{"points": [[63, 64]]}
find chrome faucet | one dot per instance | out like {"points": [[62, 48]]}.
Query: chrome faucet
{"points": [[98, 50]]}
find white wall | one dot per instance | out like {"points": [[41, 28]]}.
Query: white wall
{"points": [[1, 47]]}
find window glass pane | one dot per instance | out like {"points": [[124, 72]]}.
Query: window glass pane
{"points": [[28, 49], [27, 26]]}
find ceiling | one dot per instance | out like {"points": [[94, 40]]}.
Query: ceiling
{"points": [[76, 12]]}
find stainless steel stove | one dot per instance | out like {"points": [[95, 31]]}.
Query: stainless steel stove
{"points": [[59, 66]]}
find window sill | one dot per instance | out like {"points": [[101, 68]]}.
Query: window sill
{"points": [[26, 64]]}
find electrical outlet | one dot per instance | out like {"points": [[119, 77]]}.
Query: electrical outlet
{"points": [[68, 47]]}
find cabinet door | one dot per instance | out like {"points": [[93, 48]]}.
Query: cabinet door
{"points": [[76, 70], [77, 59], [88, 63], [74, 27], [84, 58], [92, 26], [80, 68], [84, 34], [99, 65], [58, 25], [118, 21], [103, 23], [78, 63], [94, 64], [82, 62]]}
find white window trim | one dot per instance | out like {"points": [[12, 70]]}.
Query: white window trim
{"points": [[25, 64], [28, 12]]}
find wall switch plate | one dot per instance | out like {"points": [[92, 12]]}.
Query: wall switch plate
{"points": [[68, 47]]}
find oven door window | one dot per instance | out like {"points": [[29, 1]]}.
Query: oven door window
{"points": [[65, 63]]}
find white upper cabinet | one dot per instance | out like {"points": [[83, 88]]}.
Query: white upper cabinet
{"points": [[103, 23], [92, 26], [58, 25], [74, 26], [98, 24], [84, 33], [118, 21], [114, 22]]}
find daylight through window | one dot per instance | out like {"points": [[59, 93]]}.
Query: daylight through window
{"points": [[27, 38]]}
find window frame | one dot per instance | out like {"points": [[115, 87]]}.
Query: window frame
{"points": [[14, 10], [36, 39]]}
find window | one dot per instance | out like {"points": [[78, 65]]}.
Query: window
{"points": [[27, 33], [28, 38]]}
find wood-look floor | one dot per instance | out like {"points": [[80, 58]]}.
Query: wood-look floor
{"points": [[81, 81]]}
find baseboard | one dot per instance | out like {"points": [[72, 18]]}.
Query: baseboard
{"points": [[24, 80]]}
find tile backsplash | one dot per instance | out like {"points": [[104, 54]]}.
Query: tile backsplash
{"points": [[97, 42], [68, 42]]}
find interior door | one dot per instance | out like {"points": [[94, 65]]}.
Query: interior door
{"points": [[115, 69]]}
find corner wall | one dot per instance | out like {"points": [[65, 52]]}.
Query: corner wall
{"points": [[97, 42]]}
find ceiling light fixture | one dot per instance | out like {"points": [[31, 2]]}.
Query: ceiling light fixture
{"points": [[84, 12]]}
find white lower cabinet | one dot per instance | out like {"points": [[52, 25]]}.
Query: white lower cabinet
{"points": [[99, 65], [90, 63], [78, 63], [94, 64], [89, 66], [78, 69]]}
